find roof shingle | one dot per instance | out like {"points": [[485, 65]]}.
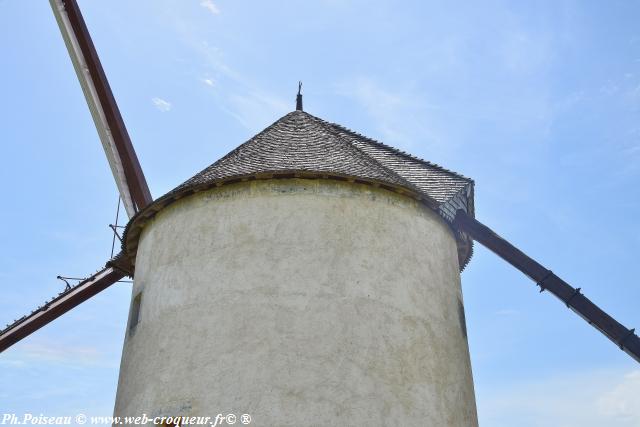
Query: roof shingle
{"points": [[301, 143]]}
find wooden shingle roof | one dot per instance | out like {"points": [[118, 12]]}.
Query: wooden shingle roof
{"points": [[300, 144]]}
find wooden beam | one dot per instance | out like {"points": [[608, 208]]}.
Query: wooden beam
{"points": [[104, 110], [58, 306], [624, 338]]}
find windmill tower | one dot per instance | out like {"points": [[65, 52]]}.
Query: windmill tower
{"points": [[310, 276]]}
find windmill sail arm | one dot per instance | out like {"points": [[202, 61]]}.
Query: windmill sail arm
{"points": [[112, 131], [623, 337], [55, 308]]}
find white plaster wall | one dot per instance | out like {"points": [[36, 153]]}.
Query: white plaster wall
{"points": [[299, 302]]}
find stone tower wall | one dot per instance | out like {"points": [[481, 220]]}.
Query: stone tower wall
{"points": [[299, 302]]}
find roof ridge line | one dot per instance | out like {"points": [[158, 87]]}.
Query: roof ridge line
{"points": [[394, 150], [368, 157]]}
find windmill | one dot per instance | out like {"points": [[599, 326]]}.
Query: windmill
{"points": [[136, 197]]}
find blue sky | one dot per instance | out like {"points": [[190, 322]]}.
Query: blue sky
{"points": [[539, 102]]}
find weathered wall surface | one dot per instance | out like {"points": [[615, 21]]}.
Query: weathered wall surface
{"points": [[299, 302]]}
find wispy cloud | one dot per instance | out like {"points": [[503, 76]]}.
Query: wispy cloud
{"points": [[255, 109], [622, 402], [587, 399], [210, 6], [161, 104], [610, 88], [49, 352], [237, 94], [394, 111], [9, 363]]}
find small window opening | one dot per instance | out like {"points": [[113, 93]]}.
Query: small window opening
{"points": [[135, 312], [463, 322]]}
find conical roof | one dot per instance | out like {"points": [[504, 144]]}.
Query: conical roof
{"points": [[300, 144]]}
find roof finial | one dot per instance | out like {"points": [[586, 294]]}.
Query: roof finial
{"points": [[299, 97]]}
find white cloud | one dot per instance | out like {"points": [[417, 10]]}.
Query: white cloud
{"points": [[208, 82], [161, 104], [210, 6], [622, 402], [587, 399]]}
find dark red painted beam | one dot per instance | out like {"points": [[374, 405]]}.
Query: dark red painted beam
{"points": [[133, 172], [135, 182], [58, 306], [624, 338]]}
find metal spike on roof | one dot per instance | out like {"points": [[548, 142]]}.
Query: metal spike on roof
{"points": [[299, 97]]}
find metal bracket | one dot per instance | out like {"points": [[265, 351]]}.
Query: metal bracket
{"points": [[624, 338], [66, 281], [544, 279], [67, 284], [575, 293], [115, 228]]}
